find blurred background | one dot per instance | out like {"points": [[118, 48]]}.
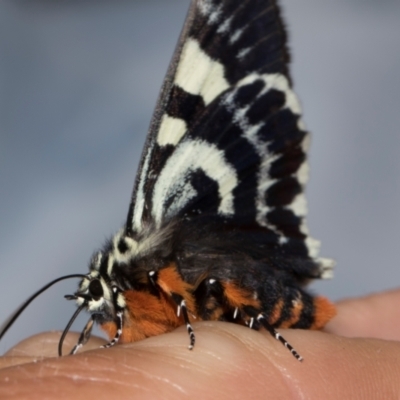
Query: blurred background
{"points": [[78, 83]]}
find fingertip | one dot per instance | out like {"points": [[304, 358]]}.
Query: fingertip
{"points": [[376, 315]]}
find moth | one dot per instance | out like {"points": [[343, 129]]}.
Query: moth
{"points": [[216, 225]]}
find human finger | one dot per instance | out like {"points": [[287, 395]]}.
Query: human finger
{"points": [[228, 361], [376, 315]]}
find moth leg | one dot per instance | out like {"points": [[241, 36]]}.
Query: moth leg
{"points": [[169, 282], [84, 336], [181, 303], [210, 299], [263, 320], [114, 341]]}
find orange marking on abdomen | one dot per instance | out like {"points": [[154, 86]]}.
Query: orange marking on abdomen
{"points": [[324, 311], [171, 281], [239, 297], [276, 312], [295, 314]]}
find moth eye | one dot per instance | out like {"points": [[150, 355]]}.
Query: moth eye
{"points": [[95, 289], [122, 246]]}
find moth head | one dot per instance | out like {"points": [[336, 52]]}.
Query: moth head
{"points": [[98, 292], [103, 299], [96, 295]]}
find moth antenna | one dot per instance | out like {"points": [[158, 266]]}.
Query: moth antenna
{"points": [[66, 330], [7, 325]]}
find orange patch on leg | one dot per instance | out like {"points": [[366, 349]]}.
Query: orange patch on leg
{"points": [[148, 315], [145, 315], [324, 311]]}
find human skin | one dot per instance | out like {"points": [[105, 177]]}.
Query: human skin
{"points": [[228, 362]]}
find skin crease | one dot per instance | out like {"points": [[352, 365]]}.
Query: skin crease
{"points": [[228, 362]]}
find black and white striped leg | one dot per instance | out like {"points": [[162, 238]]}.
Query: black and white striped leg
{"points": [[119, 322], [84, 337], [263, 321], [251, 323], [180, 301]]}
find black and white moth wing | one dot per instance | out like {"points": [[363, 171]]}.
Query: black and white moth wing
{"points": [[227, 140]]}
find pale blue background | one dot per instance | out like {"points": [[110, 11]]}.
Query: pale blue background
{"points": [[78, 83]]}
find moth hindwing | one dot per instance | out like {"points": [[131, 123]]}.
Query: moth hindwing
{"points": [[216, 226]]}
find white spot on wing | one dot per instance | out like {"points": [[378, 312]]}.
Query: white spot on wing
{"points": [[299, 205], [313, 246], [225, 26], [303, 227], [139, 201], [205, 7], [199, 74], [242, 53], [215, 15], [326, 267], [171, 130], [283, 240], [209, 9], [189, 156], [303, 172], [236, 35]]}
